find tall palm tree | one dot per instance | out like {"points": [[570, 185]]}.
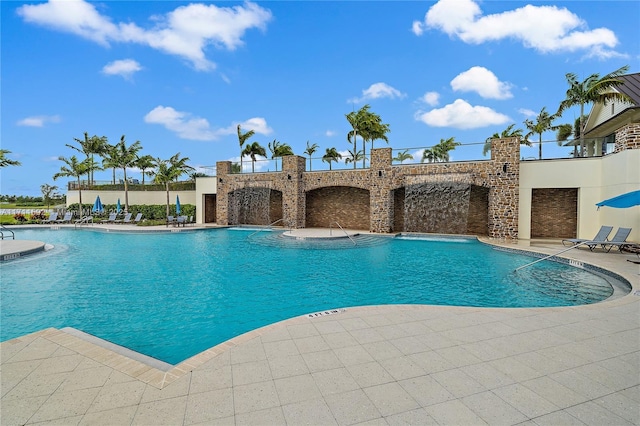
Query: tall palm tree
{"points": [[430, 154], [126, 156], [310, 150], [543, 123], [592, 90], [357, 120], [404, 155], [509, 132], [374, 129], [279, 149], [90, 146], [169, 170], [73, 168], [331, 155], [4, 161], [353, 157], [109, 160], [144, 163], [252, 150], [444, 147], [242, 138]]}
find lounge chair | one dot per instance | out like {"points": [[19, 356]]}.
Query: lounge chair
{"points": [[618, 240], [170, 220], [112, 218], [84, 220], [602, 235], [52, 218], [66, 219], [137, 219], [181, 220], [126, 219]]}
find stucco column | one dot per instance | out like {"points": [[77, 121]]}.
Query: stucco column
{"points": [[380, 194], [504, 178], [223, 170], [293, 196]]}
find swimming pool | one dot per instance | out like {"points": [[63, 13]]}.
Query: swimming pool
{"points": [[173, 295]]}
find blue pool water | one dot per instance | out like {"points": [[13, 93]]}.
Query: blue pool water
{"points": [[171, 296]]}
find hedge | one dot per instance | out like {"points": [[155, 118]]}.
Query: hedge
{"points": [[149, 212]]}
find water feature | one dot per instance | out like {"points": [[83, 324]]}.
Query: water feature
{"points": [[250, 206], [441, 208]]}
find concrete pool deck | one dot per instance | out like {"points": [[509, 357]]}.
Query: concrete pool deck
{"points": [[409, 364]]}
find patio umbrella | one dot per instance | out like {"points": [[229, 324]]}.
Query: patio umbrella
{"points": [[623, 201], [177, 204], [118, 208], [97, 206]]}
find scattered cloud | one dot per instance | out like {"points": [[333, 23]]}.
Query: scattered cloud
{"points": [[378, 91], [185, 32], [462, 115], [189, 127], [527, 112], [330, 133], [122, 67], [483, 82], [547, 29], [38, 120], [431, 98]]}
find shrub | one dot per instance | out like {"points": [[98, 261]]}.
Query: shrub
{"points": [[41, 215], [20, 218]]}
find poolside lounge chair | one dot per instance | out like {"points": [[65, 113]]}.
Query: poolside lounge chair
{"points": [[181, 220], [126, 219], [52, 218], [618, 240], [66, 219], [171, 220], [602, 235], [137, 219], [111, 219]]}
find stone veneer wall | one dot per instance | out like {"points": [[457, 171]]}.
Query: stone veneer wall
{"points": [[500, 175], [554, 212], [628, 137], [346, 205]]}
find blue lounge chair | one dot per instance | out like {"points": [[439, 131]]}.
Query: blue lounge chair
{"points": [[618, 240], [126, 219], [52, 218], [602, 235], [111, 219], [138, 218], [66, 219]]}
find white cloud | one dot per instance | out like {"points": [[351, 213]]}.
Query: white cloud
{"points": [[377, 91], [543, 28], [431, 98], [461, 115], [417, 28], [196, 128], [483, 82], [184, 32], [527, 112], [330, 133], [122, 67], [38, 120]]}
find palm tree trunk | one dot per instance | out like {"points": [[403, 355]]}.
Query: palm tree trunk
{"points": [[581, 130], [364, 153], [540, 148], [167, 186], [79, 198], [126, 191]]}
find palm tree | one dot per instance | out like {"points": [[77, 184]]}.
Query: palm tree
{"points": [[404, 155], [236, 168], [430, 154], [169, 170], [242, 138], [252, 150], [542, 124], [144, 163], [90, 146], [354, 157], [73, 168], [509, 132], [357, 121], [374, 129], [592, 90], [47, 190], [279, 149], [126, 156], [4, 162], [444, 147], [331, 155], [310, 150], [109, 160]]}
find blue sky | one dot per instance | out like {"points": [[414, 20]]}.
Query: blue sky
{"points": [[179, 76]]}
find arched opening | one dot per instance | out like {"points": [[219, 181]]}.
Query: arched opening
{"points": [[348, 206], [254, 206]]}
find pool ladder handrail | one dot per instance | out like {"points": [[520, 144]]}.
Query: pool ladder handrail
{"points": [[2, 229], [270, 226], [551, 255], [345, 232]]}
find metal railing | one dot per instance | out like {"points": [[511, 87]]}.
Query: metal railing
{"points": [[551, 255], [3, 230], [270, 226], [345, 232]]}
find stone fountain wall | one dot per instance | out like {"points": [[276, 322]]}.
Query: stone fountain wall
{"points": [[384, 182]]}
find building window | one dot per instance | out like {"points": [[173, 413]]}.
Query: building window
{"points": [[608, 144]]}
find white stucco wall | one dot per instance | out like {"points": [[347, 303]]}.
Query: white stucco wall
{"points": [[135, 197], [597, 179]]}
